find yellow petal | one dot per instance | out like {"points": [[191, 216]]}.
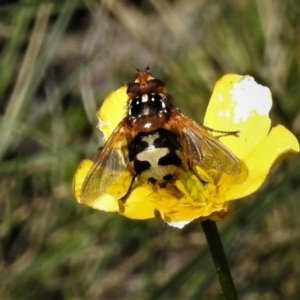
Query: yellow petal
{"points": [[80, 176], [181, 202], [280, 141], [106, 201], [238, 103], [144, 204], [112, 111]]}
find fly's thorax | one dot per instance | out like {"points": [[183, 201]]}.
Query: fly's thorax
{"points": [[155, 155], [149, 112]]}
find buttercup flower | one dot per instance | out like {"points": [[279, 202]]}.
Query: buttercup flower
{"points": [[238, 103]]}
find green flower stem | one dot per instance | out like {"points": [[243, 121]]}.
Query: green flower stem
{"points": [[217, 252]]}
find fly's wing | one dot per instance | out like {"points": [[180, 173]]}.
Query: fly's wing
{"points": [[201, 147], [109, 168]]}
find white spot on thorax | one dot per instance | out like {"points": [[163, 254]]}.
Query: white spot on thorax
{"points": [[144, 98], [147, 125]]}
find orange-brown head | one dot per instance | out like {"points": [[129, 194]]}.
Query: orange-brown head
{"points": [[145, 83]]}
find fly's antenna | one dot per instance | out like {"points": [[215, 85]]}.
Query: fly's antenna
{"points": [[148, 67]]}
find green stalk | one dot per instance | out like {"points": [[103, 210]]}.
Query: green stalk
{"points": [[218, 255]]}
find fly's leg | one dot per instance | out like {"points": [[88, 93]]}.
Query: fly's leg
{"points": [[123, 199], [222, 132]]}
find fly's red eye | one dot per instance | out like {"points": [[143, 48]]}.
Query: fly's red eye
{"points": [[133, 88], [155, 83]]}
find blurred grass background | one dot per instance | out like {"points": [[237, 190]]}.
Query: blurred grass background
{"points": [[59, 59]]}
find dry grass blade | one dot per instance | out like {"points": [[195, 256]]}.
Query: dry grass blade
{"points": [[16, 101]]}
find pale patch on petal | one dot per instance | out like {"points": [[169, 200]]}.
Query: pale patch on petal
{"points": [[179, 224], [102, 125], [249, 96]]}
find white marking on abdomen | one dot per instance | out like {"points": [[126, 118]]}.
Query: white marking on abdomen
{"points": [[153, 155]]}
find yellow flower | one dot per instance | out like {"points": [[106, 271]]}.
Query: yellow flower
{"points": [[237, 103]]}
